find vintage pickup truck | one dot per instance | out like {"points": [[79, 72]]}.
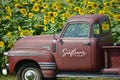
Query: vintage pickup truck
{"points": [[84, 48]]}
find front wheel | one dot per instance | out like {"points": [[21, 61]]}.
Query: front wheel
{"points": [[29, 71]]}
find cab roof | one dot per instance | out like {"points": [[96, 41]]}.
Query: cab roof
{"points": [[91, 18]]}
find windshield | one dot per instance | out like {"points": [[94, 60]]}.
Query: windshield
{"points": [[77, 30]]}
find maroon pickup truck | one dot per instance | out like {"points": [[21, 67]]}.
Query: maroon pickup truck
{"points": [[84, 48]]}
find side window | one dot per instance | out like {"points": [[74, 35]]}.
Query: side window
{"points": [[96, 30], [77, 30], [70, 30], [105, 26], [82, 30]]}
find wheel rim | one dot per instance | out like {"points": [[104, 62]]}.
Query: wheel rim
{"points": [[30, 74]]}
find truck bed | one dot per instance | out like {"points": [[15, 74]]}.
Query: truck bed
{"points": [[112, 58]]}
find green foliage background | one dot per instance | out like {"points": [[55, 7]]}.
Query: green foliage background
{"points": [[35, 17]]}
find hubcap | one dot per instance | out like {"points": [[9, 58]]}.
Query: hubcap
{"points": [[30, 75]]}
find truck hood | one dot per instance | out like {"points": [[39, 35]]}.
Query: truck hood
{"points": [[35, 42]]}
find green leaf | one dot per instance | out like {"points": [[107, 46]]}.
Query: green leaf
{"points": [[5, 38]]}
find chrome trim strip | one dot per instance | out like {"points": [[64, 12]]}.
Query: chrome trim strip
{"points": [[46, 47], [47, 65], [24, 54]]}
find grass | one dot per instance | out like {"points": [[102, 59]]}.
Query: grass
{"points": [[8, 77], [13, 77], [86, 79]]}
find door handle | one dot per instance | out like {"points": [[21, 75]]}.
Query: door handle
{"points": [[86, 43], [61, 41]]}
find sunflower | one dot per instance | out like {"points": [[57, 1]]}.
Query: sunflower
{"points": [[45, 28], [63, 16], [25, 33], [117, 17], [60, 25], [94, 5], [19, 28], [85, 2], [45, 5], [77, 9], [46, 18], [89, 6], [71, 4], [107, 4], [56, 6], [110, 14], [55, 14], [1, 44], [33, 0], [102, 12], [9, 34], [92, 12], [41, 27], [45, 22], [39, 0], [10, 45], [52, 20], [23, 11], [50, 14], [8, 10], [81, 11], [69, 1], [30, 15], [8, 17], [105, 27], [118, 1], [18, 6], [67, 15], [22, 34], [25, 3], [43, 11], [36, 7]]}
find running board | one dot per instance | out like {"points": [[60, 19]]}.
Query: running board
{"points": [[87, 75]]}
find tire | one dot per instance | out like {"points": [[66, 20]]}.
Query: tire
{"points": [[50, 78], [117, 44], [29, 71]]}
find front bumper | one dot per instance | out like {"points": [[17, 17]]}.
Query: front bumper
{"points": [[5, 70]]}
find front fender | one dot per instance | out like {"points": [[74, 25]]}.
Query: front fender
{"points": [[43, 58]]}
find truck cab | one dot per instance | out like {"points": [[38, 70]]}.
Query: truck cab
{"points": [[81, 43], [79, 48]]}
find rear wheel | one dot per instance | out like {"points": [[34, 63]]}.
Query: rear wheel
{"points": [[29, 71], [117, 44]]}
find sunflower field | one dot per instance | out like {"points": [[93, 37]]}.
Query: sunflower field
{"points": [[20, 18]]}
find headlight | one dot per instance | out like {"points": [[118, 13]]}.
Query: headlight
{"points": [[5, 53], [7, 65]]}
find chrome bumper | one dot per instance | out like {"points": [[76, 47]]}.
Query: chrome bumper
{"points": [[5, 70]]}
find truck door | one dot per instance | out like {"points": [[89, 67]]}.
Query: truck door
{"points": [[74, 48]]}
